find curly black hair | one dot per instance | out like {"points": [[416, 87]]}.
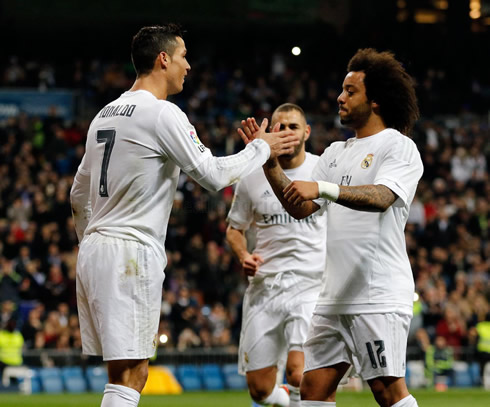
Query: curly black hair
{"points": [[389, 85]]}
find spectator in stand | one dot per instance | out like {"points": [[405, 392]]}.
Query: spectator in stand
{"points": [[453, 329], [11, 344]]}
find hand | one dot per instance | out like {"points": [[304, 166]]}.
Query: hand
{"points": [[298, 191], [280, 142], [251, 264]]}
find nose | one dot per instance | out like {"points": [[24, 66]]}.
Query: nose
{"points": [[340, 99]]}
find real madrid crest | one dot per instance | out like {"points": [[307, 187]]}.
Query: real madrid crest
{"points": [[367, 161]]}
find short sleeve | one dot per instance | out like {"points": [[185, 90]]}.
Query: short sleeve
{"points": [[401, 170], [240, 215], [179, 138]]}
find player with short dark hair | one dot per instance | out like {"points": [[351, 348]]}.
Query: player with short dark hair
{"points": [[122, 196], [366, 184], [285, 270]]}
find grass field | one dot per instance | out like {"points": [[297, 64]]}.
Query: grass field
{"points": [[425, 398]]}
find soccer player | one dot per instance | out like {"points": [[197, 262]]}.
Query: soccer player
{"points": [[285, 271], [366, 184], [121, 200]]}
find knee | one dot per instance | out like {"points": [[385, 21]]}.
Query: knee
{"points": [[380, 393], [131, 374], [259, 391], [306, 388], [293, 377]]}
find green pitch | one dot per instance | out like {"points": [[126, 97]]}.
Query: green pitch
{"points": [[425, 398]]}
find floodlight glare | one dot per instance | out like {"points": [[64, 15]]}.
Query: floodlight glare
{"points": [[296, 51]]}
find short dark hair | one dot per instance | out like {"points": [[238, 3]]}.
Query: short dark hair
{"points": [[389, 85], [287, 107], [149, 42]]}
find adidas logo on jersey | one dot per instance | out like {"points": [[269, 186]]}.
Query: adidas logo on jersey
{"points": [[266, 194]]}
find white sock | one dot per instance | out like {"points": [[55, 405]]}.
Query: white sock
{"points": [[310, 403], [116, 395], [408, 401], [294, 396], [279, 396]]}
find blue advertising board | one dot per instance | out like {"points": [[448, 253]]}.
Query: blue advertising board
{"points": [[36, 103]]}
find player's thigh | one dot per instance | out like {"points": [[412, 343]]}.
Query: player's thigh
{"points": [[325, 345], [262, 338], [297, 323], [124, 288], [261, 345], [380, 342]]}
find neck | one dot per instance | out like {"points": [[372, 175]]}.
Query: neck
{"points": [[293, 162], [373, 126], [151, 83]]}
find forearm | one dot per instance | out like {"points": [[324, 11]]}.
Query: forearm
{"points": [[80, 203], [369, 198], [278, 181], [238, 243], [218, 172]]}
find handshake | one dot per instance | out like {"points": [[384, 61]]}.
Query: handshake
{"points": [[280, 142]]}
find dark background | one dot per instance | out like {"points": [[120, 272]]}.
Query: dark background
{"points": [[328, 31]]}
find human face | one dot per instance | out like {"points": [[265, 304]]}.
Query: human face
{"points": [[354, 108], [293, 120], [177, 68]]}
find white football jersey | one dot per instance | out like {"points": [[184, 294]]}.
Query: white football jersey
{"points": [[368, 270], [284, 242], [135, 146]]}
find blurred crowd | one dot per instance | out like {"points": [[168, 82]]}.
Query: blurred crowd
{"points": [[447, 233]]}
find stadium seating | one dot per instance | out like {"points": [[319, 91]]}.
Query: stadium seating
{"points": [[189, 377], [97, 378], [475, 373], [51, 380], [212, 377], [73, 379], [461, 375], [233, 380], [486, 376], [171, 368], [31, 385], [415, 374]]}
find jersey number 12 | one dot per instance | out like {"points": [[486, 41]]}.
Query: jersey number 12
{"points": [[379, 351], [107, 136]]}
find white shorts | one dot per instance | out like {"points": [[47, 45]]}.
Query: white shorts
{"points": [[276, 316], [375, 344], [119, 290]]}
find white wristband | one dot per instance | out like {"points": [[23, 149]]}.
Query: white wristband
{"points": [[328, 190]]}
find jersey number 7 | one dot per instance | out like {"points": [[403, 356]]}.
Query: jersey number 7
{"points": [[107, 136]]}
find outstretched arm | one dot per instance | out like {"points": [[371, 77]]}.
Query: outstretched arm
{"points": [[216, 173]]}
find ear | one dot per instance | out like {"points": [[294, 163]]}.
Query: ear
{"points": [[307, 132], [162, 60], [375, 107]]}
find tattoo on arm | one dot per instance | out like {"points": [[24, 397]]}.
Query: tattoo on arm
{"points": [[369, 198]]}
